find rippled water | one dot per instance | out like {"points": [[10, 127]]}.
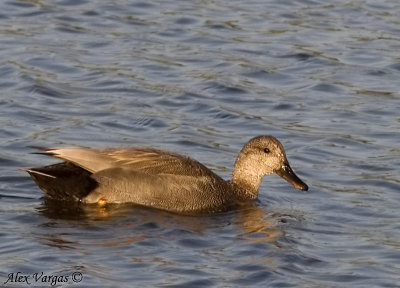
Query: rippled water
{"points": [[201, 78]]}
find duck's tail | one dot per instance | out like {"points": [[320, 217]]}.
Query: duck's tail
{"points": [[63, 181]]}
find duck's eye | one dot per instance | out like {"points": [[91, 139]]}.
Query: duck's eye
{"points": [[266, 150]]}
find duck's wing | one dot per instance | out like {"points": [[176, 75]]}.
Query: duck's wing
{"points": [[91, 160], [155, 161], [144, 160]]}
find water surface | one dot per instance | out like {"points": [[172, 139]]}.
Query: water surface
{"points": [[201, 78]]}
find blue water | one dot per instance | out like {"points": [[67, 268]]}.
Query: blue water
{"points": [[201, 78]]}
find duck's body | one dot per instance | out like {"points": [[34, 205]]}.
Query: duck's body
{"points": [[161, 179]]}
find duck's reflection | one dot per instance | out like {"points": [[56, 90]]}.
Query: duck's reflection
{"points": [[259, 226], [250, 222]]}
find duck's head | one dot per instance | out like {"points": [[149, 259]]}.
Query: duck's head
{"points": [[261, 156]]}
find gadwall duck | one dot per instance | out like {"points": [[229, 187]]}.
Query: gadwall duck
{"points": [[161, 179]]}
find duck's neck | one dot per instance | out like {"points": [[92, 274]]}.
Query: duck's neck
{"points": [[246, 177]]}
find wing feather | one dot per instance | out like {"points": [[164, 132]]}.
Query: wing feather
{"points": [[145, 160]]}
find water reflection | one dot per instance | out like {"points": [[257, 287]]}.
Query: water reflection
{"points": [[138, 223], [259, 227]]}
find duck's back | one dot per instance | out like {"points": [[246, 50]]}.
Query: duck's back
{"points": [[153, 161]]}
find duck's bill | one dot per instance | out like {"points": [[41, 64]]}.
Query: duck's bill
{"points": [[287, 173]]}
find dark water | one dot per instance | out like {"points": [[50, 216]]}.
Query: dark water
{"points": [[201, 78]]}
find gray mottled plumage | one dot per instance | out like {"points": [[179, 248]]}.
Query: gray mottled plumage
{"points": [[161, 179]]}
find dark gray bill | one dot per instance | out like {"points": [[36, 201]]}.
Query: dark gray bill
{"points": [[287, 173]]}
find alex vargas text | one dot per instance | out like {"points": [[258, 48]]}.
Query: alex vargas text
{"points": [[21, 278]]}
